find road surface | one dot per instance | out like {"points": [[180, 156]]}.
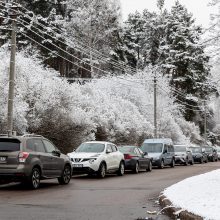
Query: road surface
{"points": [[88, 198]]}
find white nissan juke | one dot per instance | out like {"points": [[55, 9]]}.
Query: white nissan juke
{"points": [[97, 157]]}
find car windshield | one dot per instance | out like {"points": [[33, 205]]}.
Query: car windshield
{"points": [[90, 148], [196, 149], [152, 147], [208, 149], [9, 145], [126, 149], [179, 148]]}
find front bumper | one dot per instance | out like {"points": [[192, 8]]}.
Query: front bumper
{"points": [[180, 160], [156, 162]]}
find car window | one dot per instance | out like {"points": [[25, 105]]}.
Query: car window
{"points": [[9, 145], [38, 144], [137, 152], [109, 148], [141, 152], [170, 148], [166, 148], [49, 146], [30, 145], [91, 148], [114, 149]]}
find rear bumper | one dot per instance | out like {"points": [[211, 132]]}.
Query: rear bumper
{"points": [[130, 164], [13, 174]]}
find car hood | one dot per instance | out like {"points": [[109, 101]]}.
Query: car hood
{"points": [[194, 154], [180, 153], [83, 155], [154, 155]]}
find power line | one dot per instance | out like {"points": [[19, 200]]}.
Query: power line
{"points": [[117, 64], [184, 103]]}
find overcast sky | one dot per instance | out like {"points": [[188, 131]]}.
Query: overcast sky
{"points": [[199, 8]]}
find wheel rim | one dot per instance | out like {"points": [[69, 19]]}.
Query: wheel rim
{"points": [[137, 168], [122, 168], [103, 171], [150, 166], [35, 179], [66, 175]]}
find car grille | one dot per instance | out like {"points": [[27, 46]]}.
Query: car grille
{"points": [[79, 160]]}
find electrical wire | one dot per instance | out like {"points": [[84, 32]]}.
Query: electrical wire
{"points": [[100, 55]]}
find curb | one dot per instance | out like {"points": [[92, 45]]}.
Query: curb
{"points": [[176, 213]]}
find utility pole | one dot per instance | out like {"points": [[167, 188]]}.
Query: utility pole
{"points": [[205, 122], [155, 107], [12, 73]]}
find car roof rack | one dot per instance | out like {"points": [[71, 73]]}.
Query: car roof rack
{"points": [[31, 135]]}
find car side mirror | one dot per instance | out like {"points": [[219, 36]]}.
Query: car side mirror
{"points": [[145, 154], [108, 151], [56, 153]]}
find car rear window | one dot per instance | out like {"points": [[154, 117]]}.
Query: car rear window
{"points": [[9, 145]]}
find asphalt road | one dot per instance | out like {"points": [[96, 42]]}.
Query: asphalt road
{"points": [[88, 198]]}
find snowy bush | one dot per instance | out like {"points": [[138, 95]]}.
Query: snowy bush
{"points": [[117, 109]]}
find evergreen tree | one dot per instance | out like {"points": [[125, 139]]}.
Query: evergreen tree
{"points": [[185, 59]]}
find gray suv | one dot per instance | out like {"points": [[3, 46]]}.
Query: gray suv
{"points": [[31, 158]]}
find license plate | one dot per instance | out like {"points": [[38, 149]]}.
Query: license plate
{"points": [[2, 159], [77, 165]]}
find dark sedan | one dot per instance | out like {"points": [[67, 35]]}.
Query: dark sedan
{"points": [[135, 159], [199, 155], [211, 153]]}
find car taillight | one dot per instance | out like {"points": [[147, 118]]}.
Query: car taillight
{"points": [[128, 156], [23, 156]]}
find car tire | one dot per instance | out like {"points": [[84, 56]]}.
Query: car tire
{"points": [[121, 170], [34, 179], [149, 169], [161, 166], [66, 176], [102, 170], [136, 168], [172, 163], [201, 160]]}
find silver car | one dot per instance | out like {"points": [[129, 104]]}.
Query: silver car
{"points": [[183, 155]]}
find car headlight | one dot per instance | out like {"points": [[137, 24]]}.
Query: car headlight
{"points": [[92, 160]]}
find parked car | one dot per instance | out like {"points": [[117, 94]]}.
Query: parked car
{"points": [[211, 153], [199, 154], [135, 159], [161, 151], [31, 158], [183, 155], [97, 157]]}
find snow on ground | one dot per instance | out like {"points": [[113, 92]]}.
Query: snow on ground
{"points": [[199, 195]]}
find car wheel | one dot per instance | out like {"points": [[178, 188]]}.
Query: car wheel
{"points": [[34, 178], [102, 170], [186, 162], [149, 169], [66, 176], [161, 166], [136, 169], [201, 160], [121, 170], [172, 163]]}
